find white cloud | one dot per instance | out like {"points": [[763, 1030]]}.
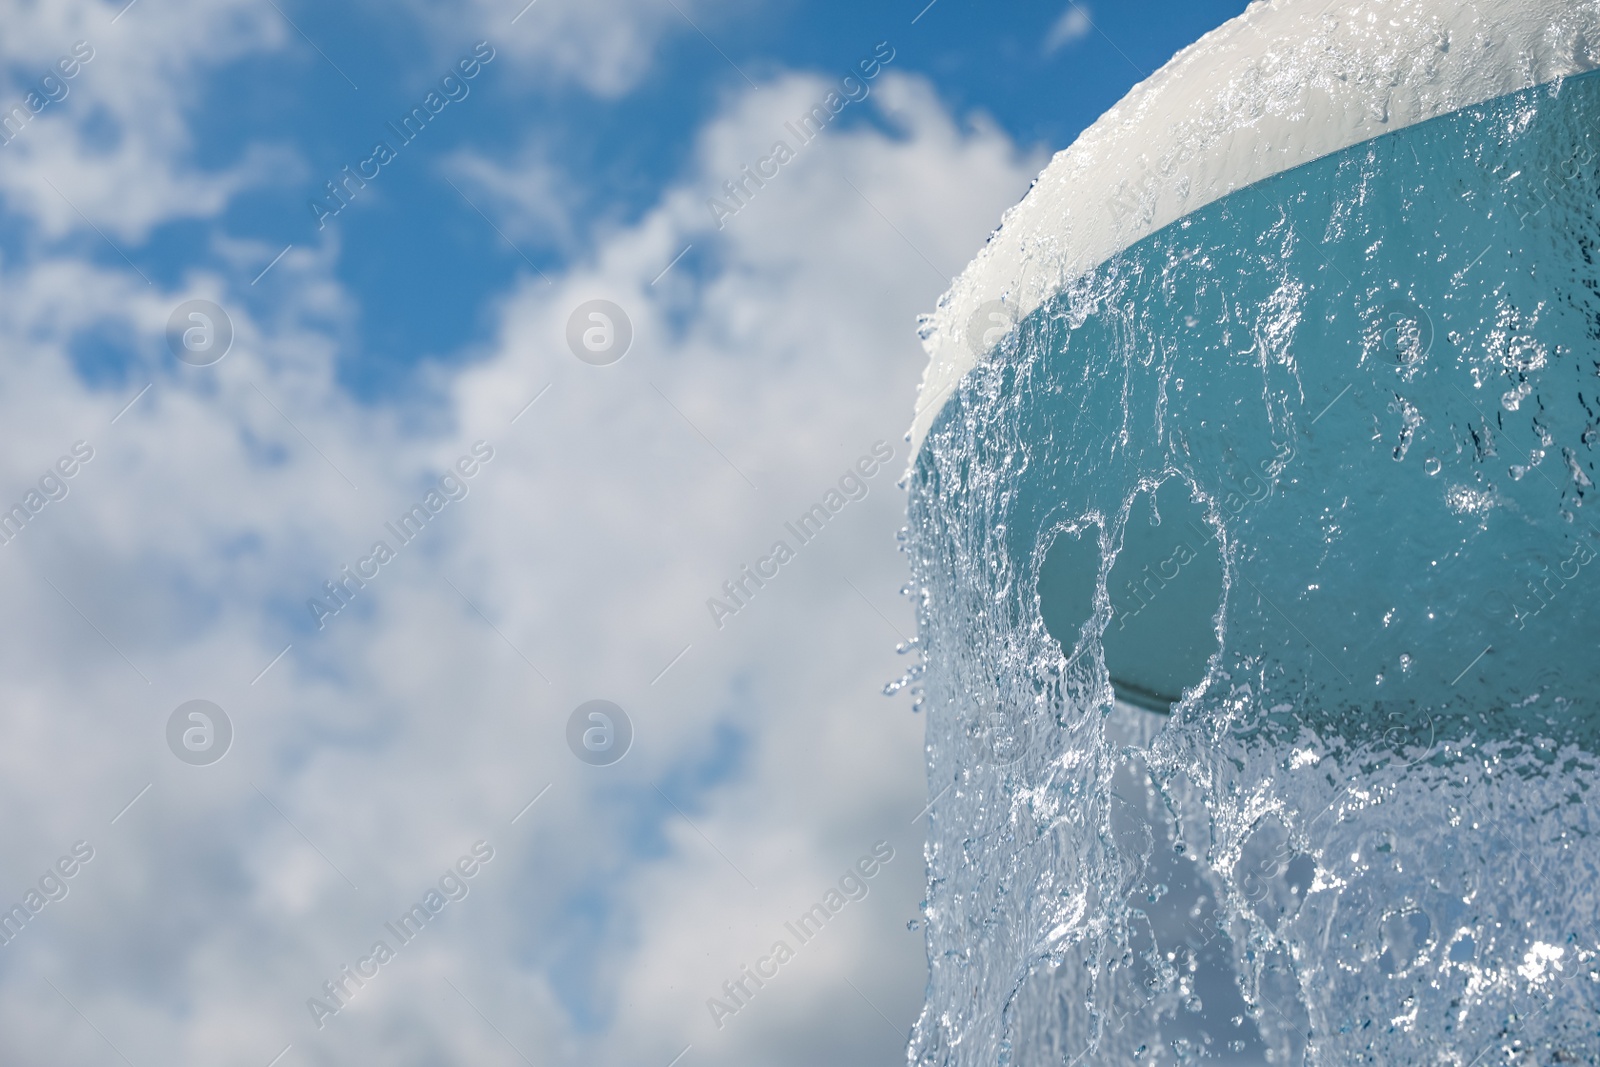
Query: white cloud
{"points": [[118, 147], [378, 749], [604, 47], [532, 196], [1073, 25]]}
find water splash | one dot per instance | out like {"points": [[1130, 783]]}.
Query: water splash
{"points": [[1365, 831]]}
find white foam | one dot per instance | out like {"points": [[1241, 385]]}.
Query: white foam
{"points": [[1285, 83]]}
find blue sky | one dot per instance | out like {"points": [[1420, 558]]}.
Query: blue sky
{"points": [[422, 261], [776, 354]]}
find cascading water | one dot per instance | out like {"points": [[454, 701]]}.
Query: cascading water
{"points": [[1257, 589]]}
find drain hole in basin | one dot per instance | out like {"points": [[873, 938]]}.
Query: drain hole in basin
{"points": [[1067, 578], [1165, 587]]}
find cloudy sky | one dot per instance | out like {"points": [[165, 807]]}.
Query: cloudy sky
{"points": [[180, 492]]}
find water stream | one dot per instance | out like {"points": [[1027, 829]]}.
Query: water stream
{"points": [[1256, 576]]}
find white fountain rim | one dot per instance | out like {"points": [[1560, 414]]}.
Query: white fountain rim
{"points": [[1285, 83]]}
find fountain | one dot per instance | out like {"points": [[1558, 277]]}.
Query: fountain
{"points": [[1253, 567]]}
